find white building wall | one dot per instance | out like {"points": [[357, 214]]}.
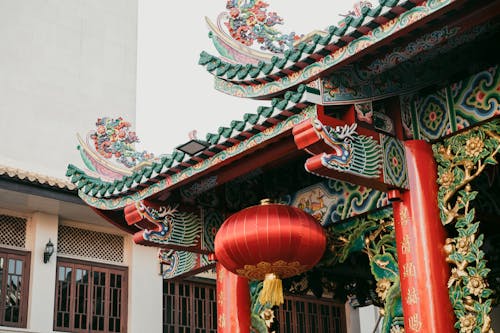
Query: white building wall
{"points": [[145, 290], [63, 64], [42, 281], [362, 320]]}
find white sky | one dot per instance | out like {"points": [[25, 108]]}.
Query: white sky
{"points": [[176, 95]]}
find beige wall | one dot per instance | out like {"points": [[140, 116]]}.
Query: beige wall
{"points": [[145, 291], [144, 288], [63, 64]]}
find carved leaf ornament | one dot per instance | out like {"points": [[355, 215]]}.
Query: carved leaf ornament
{"points": [[461, 159]]}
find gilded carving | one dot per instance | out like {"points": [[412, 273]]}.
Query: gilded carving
{"points": [[280, 267], [415, 323], [404, 216], [461, 159], [412, 296], [409, 270], [374, 234], [405, 246]]}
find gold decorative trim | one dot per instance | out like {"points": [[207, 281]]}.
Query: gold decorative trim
{"points": [[281, 268]]}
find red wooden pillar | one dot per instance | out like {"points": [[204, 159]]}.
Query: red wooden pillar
{"points": [[420, 238], [233, 302]]}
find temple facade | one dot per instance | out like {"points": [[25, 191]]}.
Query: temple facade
{"points": [[366, 184], [383, 128]]}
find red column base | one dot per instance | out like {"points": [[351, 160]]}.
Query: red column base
{"points": [[233, 302]]}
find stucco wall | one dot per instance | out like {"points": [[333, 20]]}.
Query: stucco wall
{"points": [[144, 287], [63, 63]]}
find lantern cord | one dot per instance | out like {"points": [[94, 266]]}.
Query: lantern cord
{"points": [[272, 291]]}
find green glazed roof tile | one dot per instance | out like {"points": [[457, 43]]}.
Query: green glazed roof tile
{"points": [[212, 138], [242, 73], [252, 118], [205, 58], [98, 188], [238, 125], [147, 172], [349, 25], [213, 64], [178, 155], [119, 185], [281, 63], [225, 131], [222, 69], [265, 111], [231, 73], [129, 181]]}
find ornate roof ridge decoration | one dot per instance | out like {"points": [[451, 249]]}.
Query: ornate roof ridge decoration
{"points": [[169, 169], [34, 177], [245, 24], [108, 151], [319, 53]]}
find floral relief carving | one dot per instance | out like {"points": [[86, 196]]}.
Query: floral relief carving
{"points": [[461, 159]]}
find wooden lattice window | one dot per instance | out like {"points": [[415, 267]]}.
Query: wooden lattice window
{"points": [[90, 297], [98, 245], [192, 308], [302, 314], [12, 231], [14, 282], [189, 308]]}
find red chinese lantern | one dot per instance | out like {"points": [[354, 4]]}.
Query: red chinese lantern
{"points": [[270, 242]]}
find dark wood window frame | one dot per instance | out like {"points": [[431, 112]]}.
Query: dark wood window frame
{"points": [[21, 276], [97, 286], [189, 307], [299, 314], [310, 314]]}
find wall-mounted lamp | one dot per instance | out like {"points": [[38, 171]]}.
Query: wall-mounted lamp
{"points": [[47, 253]]}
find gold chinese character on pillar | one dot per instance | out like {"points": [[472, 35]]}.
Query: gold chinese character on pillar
{"points": [[409, 270], [220, 297], [405, 245], [404, 216], [222, 320], [412, 296], [415, 323]]}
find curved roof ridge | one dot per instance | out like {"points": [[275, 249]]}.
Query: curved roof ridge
{"points": [[316, 47], [225, 137]]}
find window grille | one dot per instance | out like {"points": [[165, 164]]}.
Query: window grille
{"points": [[90, 244], [90, 298], [12, 231], [190, 307], [303, 314]]}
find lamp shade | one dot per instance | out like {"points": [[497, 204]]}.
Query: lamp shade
{"points": [[269, 240]]}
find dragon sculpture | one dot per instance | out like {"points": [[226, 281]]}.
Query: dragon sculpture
{"points": [[352, 153], [171, 226], [175, 263]]}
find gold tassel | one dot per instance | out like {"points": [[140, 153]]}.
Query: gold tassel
{"points": [[272, 291]]}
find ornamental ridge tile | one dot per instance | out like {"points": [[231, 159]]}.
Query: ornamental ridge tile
{"points": [[238, 131], [353, 27]]}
